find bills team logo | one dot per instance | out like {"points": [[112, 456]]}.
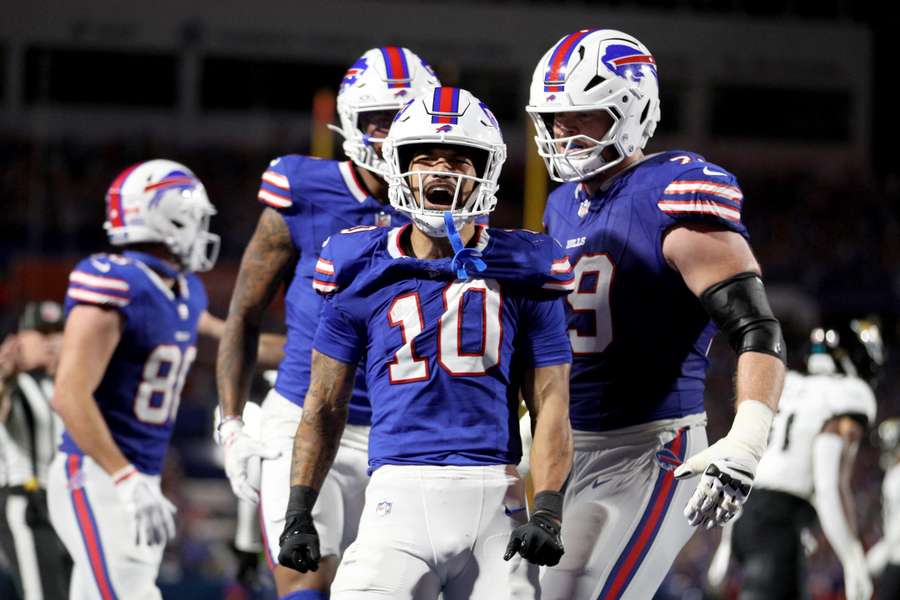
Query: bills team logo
{"points": [[353, 73], [174, 180], [667, 460], [628, 61], [444, 129]]}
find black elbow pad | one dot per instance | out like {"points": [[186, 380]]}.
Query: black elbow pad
{"points": [[740, 308]]}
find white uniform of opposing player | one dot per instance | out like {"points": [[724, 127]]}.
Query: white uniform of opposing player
{"points": [[807, 403]]}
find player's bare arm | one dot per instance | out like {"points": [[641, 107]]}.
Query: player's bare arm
{"points": [[89, 340], [719, 267], [271, 345], [546, 394], [266, 261], [324, 416], [315, 446], [705, 257]]}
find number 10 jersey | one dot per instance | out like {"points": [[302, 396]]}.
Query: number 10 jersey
{"points": [[441, 354]]}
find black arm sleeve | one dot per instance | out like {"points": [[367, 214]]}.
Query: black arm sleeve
{"points": [[739, 307]]}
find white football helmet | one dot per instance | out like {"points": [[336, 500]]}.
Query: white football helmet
{"points": [[455, 117], [383, 79], [163, 201], [592, 70]]}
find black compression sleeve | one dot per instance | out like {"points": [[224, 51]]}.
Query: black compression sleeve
{"points": [[739, 307]]}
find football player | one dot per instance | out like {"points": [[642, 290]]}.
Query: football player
{"points": [[884, 557], [437, 309], [306, 200], [129, 341], [660, 258], [806, 470]]}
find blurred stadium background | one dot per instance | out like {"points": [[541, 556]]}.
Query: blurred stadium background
{"points": [[793, 96]]}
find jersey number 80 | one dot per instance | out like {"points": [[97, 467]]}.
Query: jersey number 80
{"points": [[159, 393]]}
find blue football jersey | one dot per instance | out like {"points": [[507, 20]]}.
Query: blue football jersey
{"points": [[141, 389], [639, 336], [316, 198], [437, 350]]}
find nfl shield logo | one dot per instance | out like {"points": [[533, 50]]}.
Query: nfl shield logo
{"points": [[583, 208], [383, 219], [383, 508]]}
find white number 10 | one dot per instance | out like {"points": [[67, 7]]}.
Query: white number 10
{"points": [[406, 312]]}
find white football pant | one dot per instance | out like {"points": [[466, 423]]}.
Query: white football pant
{"points": [[428, 530], [623, 524], [340, 502], [96, 529]]}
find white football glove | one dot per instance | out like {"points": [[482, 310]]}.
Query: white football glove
{"points": [[240, 449], [728, 467], [151, 514], [857, 582]]}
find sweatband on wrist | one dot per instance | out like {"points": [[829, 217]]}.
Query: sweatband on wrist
{"points": [[302, 499], [550, 503], [123, 474]]}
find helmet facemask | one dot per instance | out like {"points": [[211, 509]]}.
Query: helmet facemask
{"points": [[182, 216], [581, 156], [408, 188]]}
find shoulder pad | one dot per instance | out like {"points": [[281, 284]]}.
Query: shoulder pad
{"points": [[344, 255], [276, 187], [528, 258], [103, 280], [698, 190], [851, 395]]}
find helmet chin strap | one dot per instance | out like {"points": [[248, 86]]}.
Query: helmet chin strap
{"points": [[463, 258]]}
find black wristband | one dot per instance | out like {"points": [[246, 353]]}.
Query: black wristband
{"points": [[301, 500], [550, 503]]}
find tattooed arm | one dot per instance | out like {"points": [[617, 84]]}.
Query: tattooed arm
{"points": [[324, 416], [266, 261]]}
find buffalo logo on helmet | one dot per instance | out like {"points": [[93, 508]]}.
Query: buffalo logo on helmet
{"points": [[444, 129], [175, 179], [628, 61], [489, 115], [353, 73]]}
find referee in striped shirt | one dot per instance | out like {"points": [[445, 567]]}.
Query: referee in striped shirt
{"points": [[35, 560]]}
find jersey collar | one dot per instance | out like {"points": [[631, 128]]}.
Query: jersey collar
{"points": [[354, 185], [395, 248], [155, 269]]}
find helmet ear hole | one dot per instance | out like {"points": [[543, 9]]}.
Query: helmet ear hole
{"points": [[644, 114], [594, 82]]}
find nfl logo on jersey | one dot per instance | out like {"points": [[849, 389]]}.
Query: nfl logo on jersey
{"points": [[383, 508], [583, 208], [383, 219]]}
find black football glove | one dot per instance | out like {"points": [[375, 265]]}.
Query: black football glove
{"points": [[300, 541], [538, 540]]}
